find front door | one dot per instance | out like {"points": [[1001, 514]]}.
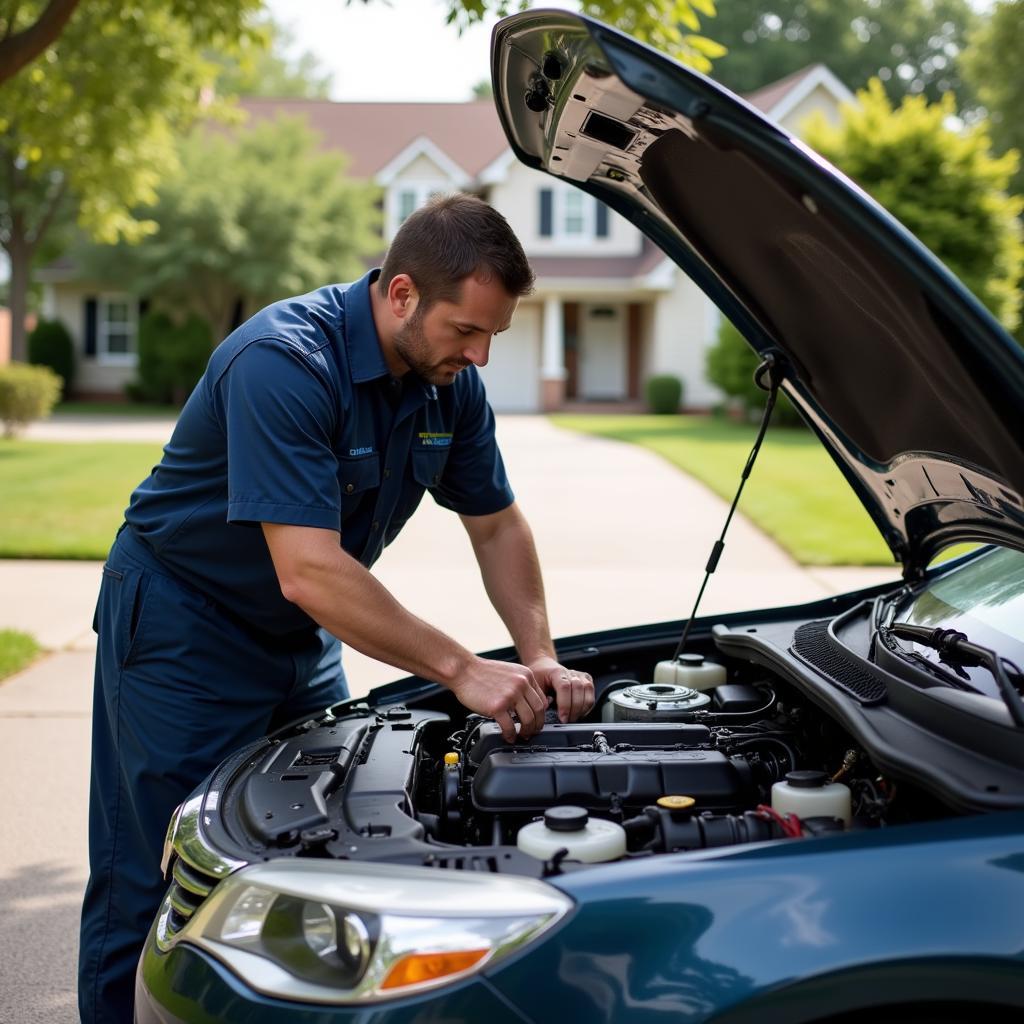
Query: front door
{"points": [[602, 355]]}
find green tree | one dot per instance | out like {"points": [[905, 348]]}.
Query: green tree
{"points": [[944, 185], [87, 129], [248, 217], [27, 30], [913, 46], [261, 66], [993, 66], [672, 26]]}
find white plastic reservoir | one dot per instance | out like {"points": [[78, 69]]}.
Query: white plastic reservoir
{"points": [[590, 840], [690, 670], [809, 794]]}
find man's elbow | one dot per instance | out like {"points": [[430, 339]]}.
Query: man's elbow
{"points": [[294, 588]]}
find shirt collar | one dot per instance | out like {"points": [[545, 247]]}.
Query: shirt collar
{"points": [[365, 359]]}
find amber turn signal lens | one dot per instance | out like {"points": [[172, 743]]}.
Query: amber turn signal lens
{"points": [[417, 968]]}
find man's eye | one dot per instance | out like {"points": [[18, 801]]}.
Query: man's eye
{"points": [[465, 333]]}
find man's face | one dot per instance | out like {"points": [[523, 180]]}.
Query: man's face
{"points": [[445, 339]]}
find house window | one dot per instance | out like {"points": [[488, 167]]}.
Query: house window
{"points": [[573, 222], [408, 198], [116, 329], [569, 214], [406, 203]]}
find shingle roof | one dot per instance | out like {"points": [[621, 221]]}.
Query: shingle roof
{"points": [[769, 96], [599, 267], [373, 134]]}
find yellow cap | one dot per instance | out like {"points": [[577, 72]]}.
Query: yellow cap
{"points": [[676, 803], [451, 758]]}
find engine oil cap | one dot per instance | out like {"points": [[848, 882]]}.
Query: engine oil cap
{"points": [[676, 803], [451, 758], [807, 779], [566, 819]]}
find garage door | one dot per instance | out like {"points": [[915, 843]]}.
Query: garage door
{"points": [[512, 374]]}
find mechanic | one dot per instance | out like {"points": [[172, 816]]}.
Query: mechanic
{"points": [[304, 448]]}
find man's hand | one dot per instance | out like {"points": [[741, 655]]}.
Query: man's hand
{"points": [[497, 688], [574, 691]]}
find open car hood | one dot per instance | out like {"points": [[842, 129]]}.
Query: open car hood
{"points": [[914, 388]]}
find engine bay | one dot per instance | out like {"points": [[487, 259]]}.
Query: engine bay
{"points": [[656, 767]]}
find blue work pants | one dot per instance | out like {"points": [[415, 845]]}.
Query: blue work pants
{"points": [[179, 685]]}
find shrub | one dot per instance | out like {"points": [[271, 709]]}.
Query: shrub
{"points": [[664, 394], [50, 345], [27, 393], [172, 357]]}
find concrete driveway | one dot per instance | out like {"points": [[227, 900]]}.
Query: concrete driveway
{"points": [[623, 539]]}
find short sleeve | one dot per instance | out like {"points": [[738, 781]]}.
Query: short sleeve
{"points": [[474, 482], [279, 418]]}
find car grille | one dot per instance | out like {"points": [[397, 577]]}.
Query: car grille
{"points": [[813, 644], [189, 887]]}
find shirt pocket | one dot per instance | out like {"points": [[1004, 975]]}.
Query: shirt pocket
{"points": [[428, 466], [356, 476]]}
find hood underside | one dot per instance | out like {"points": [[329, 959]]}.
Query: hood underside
{"points": [[911, 384]]}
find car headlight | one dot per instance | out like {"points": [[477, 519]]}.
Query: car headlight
{"points": [[344, 932]]}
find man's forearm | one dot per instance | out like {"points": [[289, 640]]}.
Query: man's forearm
{"points": [[512, 577], [337, 592]]}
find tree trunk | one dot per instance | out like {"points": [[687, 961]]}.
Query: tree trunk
{"points": [[21, 48], [20, 253]]}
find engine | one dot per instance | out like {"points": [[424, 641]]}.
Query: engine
{"points": [[666, 781], [656, 767]]}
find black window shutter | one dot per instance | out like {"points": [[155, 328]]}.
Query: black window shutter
{"points": [[602, 220], [545, 212], [90, 327]]}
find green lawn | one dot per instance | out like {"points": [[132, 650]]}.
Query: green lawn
{"points": [[795, 493], [66, 500], [16, 651]]}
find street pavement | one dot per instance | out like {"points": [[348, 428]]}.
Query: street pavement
{"points": [[622, 537]]}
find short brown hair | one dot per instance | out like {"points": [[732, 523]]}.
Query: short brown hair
{"points": [[442, 243]]}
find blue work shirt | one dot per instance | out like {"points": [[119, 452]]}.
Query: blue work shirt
{"points": [[298, 421]]}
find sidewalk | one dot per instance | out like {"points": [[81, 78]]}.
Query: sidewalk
{"points": [[623, 538]]}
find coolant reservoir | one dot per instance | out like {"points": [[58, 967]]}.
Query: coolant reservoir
{"points": [[571, 828], [690, 670], [810, 795]]}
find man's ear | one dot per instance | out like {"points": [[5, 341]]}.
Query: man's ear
{"points": [[403, 298]]}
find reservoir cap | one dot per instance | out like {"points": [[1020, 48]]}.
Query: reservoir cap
{"points": [[451, 758], [693, 660], [676, 803], [566, 819], [807, 779]]}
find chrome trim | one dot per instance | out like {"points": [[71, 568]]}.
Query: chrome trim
{"points": [[191, 845], [192, 861], [188, 880]]}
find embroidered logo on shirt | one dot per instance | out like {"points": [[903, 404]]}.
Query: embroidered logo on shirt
{"points": [[435, 440], [361, 451]]}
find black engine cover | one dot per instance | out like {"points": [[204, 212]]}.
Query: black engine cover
{"points": [[531, 778]]}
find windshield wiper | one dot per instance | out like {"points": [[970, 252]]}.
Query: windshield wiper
{"points": [[954, 646]]}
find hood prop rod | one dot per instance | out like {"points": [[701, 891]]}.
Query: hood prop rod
{"points": [[768, 376]]}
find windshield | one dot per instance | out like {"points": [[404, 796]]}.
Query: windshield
{"points": [[984, 599]]}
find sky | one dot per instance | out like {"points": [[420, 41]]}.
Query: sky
{"points": [[400, 49], [392, 49]]}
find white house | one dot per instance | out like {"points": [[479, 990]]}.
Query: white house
{"points": [[608, 310]]}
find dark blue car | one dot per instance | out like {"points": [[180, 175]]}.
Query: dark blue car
{"points": [[798, 814]]}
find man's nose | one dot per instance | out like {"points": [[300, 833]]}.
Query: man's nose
{"points": [[478, 353]]}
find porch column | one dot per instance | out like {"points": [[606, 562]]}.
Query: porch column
{"points": [[552, 371]]}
